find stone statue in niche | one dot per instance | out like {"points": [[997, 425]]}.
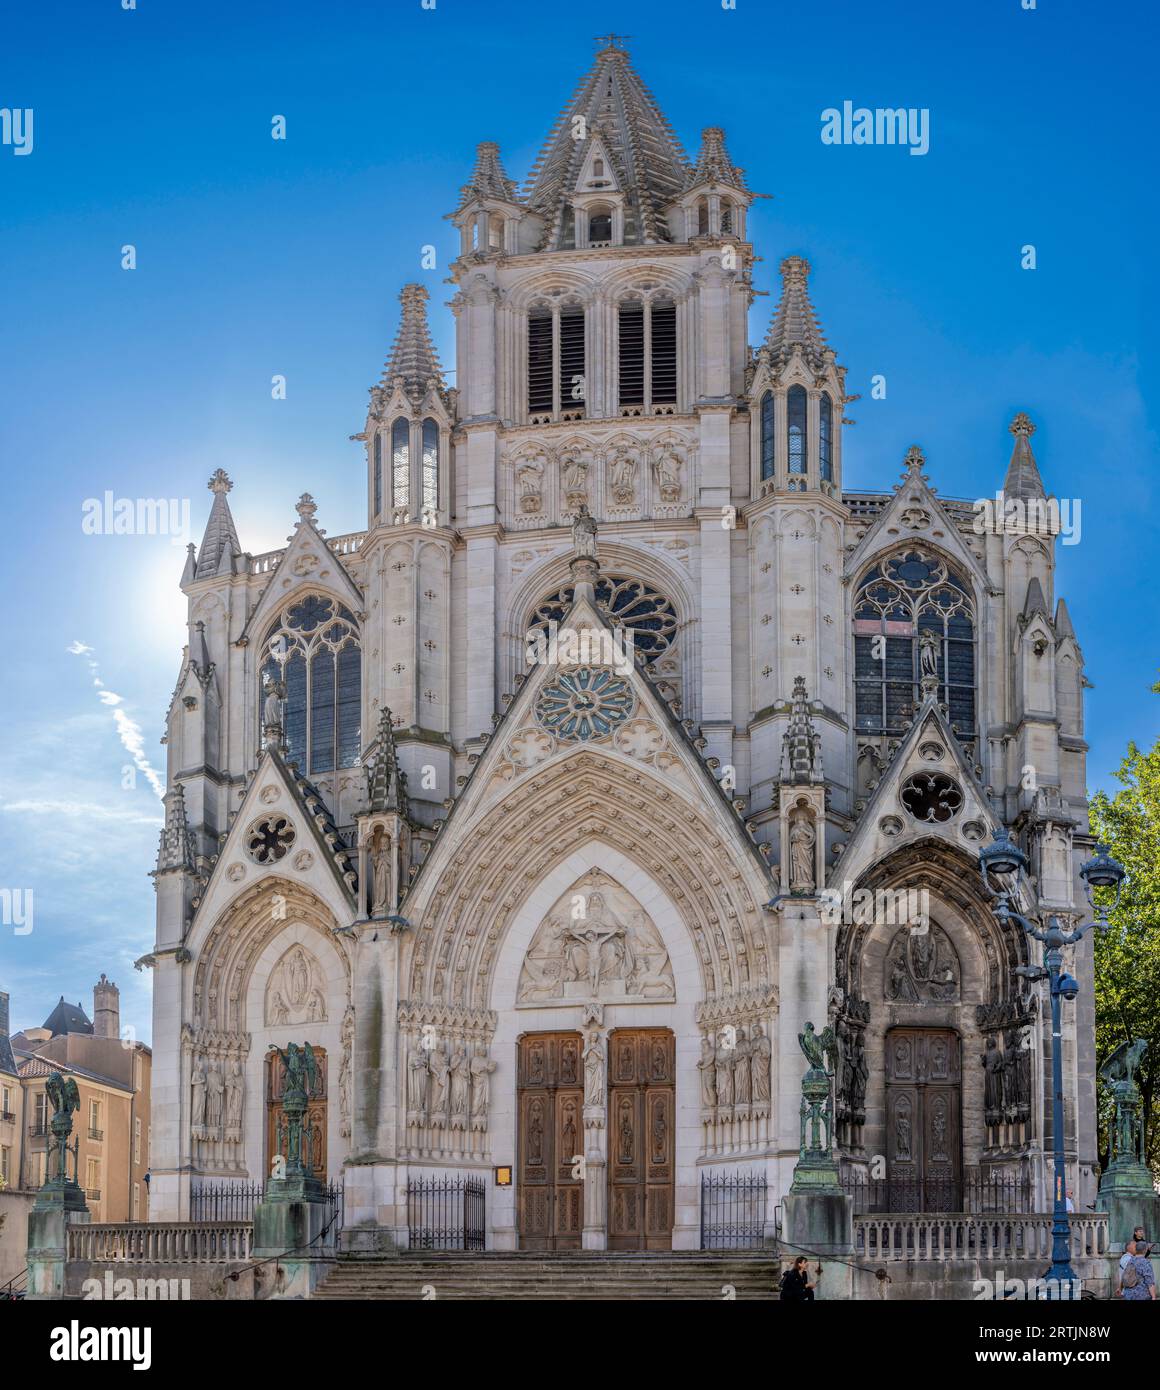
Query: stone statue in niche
{"points": [[295, 992], [723, 1072], [593, 1070], [707, 1066], [197, 1109], [344, 1072], [214, 1092], [574, 475], [760, 1065], [418, 1074], [481, 1070], [596, 944], [622, 477], [742, 1072], [801, 853], [380, 856], [235, 1099], [584, 534], [992, 1060], [530, 481], [668, 475], [460, 1088], [922, 966], [440, 1069]]}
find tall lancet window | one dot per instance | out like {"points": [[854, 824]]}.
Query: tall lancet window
{"points": [[767, 438], [826, 438], [796, 412], [314, 651], [401, 464], [378, 475], [430, 466], [647, 357], [557, 388], [902, 597]]}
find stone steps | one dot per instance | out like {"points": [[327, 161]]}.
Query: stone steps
{"points": [[595, 1275]]}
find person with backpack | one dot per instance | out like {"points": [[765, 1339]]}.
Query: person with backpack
{"points": [[1137, 1281], [795, 1283]]}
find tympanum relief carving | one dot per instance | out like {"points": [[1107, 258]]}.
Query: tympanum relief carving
{"points": [[296, 991], [596, 943]]}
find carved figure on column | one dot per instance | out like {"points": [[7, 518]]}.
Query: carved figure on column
{"points": [[992, 1060], [344, 1072], [197, 1108], [584, 535], [724, 1072], [622, 476], [418, 1075], [761, 1066], [235, 1098], [481, 1070], [440, 1074], [668, 475], [707, 1066], [460, 1088], [742, 1075], [593, 1069], [380, 872], [214, 1090], [801, 854], [574, 472], [530, 477]]}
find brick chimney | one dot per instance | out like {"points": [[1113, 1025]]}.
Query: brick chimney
{"points": [[106, 1009]]}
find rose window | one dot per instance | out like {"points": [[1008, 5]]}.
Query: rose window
{"points": [[629, 603], [588, 702], [931, 796], [269, 839]]}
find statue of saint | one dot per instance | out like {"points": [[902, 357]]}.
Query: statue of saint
{"points": [[380, 873], [481, 1070], [584, 535], [801, 854], [593, 1070]]}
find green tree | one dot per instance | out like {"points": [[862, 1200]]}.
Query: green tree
{"points": [[1127, 958]]}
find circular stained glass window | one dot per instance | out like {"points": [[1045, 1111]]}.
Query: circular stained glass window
{"points": [[931, 796], [269, 839], [647, 614], [585, 703]]}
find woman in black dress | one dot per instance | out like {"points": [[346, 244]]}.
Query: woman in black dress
{"points": [[795, 1283]]}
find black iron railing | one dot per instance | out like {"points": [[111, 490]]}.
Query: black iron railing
{"points": [[447, 1213], [976, 1192], [235, 1201], [733, 1211]]}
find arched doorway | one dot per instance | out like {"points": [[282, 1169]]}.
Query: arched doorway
{"points": [[924, 1145], [641, 1147], [549, 1185]]}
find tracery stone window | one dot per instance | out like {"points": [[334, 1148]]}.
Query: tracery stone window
{"points": [[796, 413], [430, 467], [647, 613], [269, 839], [401, 464], [767, 436], [647, 357], [585, 703], [908, 593], [314, 651], [826, 438], [556, 363]]}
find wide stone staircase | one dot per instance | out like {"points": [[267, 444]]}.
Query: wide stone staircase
{"points": [[597, 1275]]}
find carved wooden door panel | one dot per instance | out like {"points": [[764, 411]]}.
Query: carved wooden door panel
{"points": [[550, 1094], [924, 1150], [641, 1140], [314, 1135]]}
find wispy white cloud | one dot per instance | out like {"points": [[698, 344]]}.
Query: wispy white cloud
{"points": [[128, 730], [90, 810]]}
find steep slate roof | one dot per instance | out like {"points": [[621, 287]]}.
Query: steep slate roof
{"points": [[413, 361], [488, 179], [220, 543], [795, 320], [713, 163], [1023, 480], [67, 1018], [617, 105]]}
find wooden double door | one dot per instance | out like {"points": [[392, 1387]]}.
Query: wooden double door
{"points": [[640, 1138], [314, 1135], [924, 1149]]}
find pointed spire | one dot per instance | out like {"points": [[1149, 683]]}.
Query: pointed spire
{"points": [[176, 848], [1035, 601], [713, 163], [613, 100], [1063, 627], [488, 179], [795, 323], [1023, 480], [413, 360], [220, 543], [387, 790], [801, 744]]}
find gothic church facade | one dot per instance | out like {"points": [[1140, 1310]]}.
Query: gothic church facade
{"points": [[580, 908]]}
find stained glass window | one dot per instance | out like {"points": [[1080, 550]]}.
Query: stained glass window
{"points": [[314, 651], [430, 466], [825, 438], [767, 453], [378, 476], [796, 410], [401, 464], [649, 616], [908, 593]]}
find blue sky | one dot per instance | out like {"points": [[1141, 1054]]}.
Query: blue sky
{"points": [[257, 257]]}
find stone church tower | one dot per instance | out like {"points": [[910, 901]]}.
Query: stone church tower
{"points": [[530, 911]]}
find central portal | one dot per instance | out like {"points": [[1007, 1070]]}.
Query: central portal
{"points": [[641, 1143]]}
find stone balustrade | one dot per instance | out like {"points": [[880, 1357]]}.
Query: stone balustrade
{"points": [[962, 1236], [161, 1243]]}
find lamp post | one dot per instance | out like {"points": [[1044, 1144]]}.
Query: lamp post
{"points": [[1002, 859]]}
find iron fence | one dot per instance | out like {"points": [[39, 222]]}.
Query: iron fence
{"points": [[976, 1192], [446, 1213], [213, 1202], [733, 1211]]}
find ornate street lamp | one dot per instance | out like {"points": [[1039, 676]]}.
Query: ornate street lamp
{"points": [[1002, 860]]}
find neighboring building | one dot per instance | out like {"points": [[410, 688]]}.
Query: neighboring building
{"points": [[112, 1126], [529, 913]]}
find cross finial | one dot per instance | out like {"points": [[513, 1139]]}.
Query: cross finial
{"points": [[612, 40]]}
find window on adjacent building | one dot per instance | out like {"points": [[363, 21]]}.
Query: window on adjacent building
{"points": [[401, 464], [6, 1102], [93, 1179], [39, 1103], [95, 1131], [5, 1165], [314, 646], [136, 1201], [556, 348], [796, 420], [912, 592], [767, 436], [136, 1140], [826, 438]]}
